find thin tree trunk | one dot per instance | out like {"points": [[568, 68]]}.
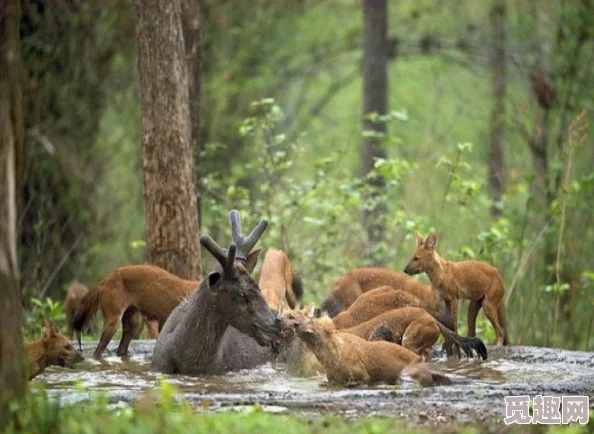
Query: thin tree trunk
{"points": [[192, 30], [498, 62], [375, 89], [12, 374], [169, 191]]}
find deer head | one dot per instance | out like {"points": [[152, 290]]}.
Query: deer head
{"points": [[245, 245], [424, 256], [236, 294]]}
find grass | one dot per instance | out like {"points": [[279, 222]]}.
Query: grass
{"points": [[160, 412]]}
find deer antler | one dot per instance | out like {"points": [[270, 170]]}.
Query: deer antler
{"points": [[226, 259], [245, 245]]}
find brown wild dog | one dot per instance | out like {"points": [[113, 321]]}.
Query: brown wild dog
{"points": [[349, 360], [52, 349], [359, 281], [415, 329], [300, 361], [147, 289], [373, 303], [476, 281], [76, 291], [278, 281]]}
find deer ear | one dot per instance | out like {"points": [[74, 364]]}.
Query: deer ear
{"points": [[419, 237], [49, 329], [252, 260], [431, 241], [213, 280]]}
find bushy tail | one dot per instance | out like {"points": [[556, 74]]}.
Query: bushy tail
{"points": [[443, 316], [297, 287], [382, 332], [331, 306], [86, 310], [454, 343], [503, 323]]}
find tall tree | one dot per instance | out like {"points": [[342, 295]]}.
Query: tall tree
{"points": [[375, 89], [169, 191], [192, 30], [498, 62], [12, 375]]}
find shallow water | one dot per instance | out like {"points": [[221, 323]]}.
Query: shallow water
{"points": [[479, 385]]}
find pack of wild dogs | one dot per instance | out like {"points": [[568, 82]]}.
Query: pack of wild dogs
{"points": [[375, 326]]}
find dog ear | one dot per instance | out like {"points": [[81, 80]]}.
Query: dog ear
{"points": [[431, 241], [419, 238], [317, 313], [49, 329]]}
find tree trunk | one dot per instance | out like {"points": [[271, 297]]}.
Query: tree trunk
{"points": [[498, 61], [12, 374], [192, 30], [375, 89], [169, 191]]}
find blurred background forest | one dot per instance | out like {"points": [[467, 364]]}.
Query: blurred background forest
{"points": [[485, 142]]}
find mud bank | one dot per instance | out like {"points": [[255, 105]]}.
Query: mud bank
{"points": [[478, 393]]}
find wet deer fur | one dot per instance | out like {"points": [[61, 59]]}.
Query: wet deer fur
{"points": [[476, 281], [211, 331]]}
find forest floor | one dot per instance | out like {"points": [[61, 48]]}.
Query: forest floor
{"points": [[476, 398]]}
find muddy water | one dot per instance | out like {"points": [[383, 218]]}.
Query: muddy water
{"points": [[478, 392]]}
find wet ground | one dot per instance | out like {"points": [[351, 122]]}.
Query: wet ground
{"points": [[478, 393]]}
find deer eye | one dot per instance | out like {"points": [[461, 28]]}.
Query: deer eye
{"points": [[416, 258]]}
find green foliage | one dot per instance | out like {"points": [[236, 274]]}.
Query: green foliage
{"points": [[82, 205], [43, 309]]}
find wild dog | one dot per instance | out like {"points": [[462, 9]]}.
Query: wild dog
{"points": [[359, 281], [415, 329], [52, 349], [349, 360], [149, 290], [76, 291], [278, 280], [477, 281], [373, 303], [298, 357]]}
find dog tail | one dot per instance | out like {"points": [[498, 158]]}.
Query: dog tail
{"points": [[297, 287], [86, 310], [454, 343]]}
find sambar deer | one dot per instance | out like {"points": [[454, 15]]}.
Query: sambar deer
{"points": [[52, 349], [210, 331], [477, 281]]}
